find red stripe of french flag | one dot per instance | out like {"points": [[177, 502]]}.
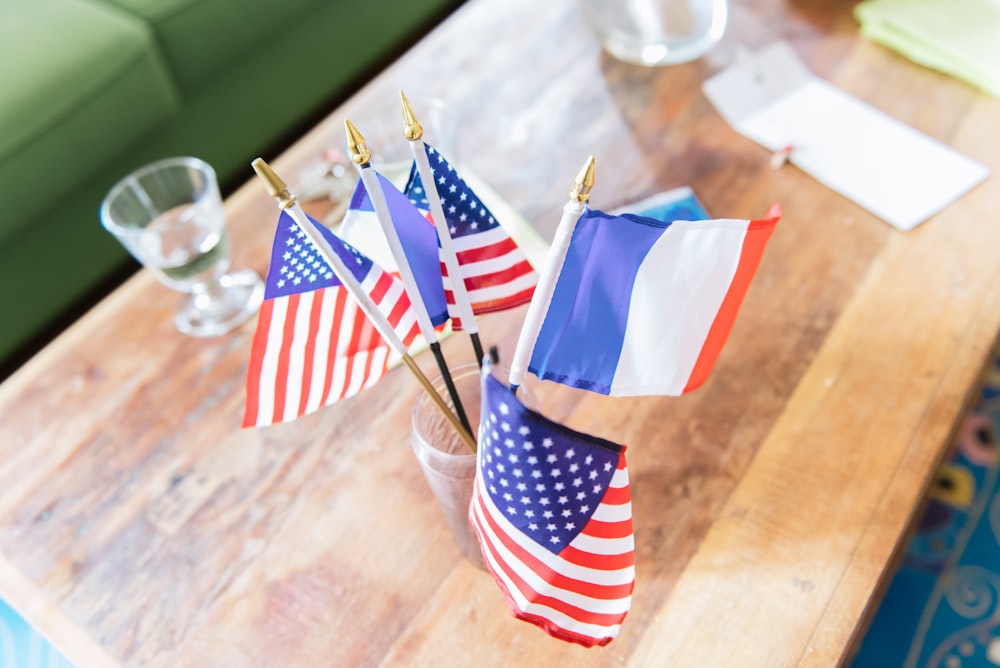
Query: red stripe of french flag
{"points": [[757, 234]]}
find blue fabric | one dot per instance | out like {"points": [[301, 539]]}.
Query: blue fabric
{"points": [[22, 647], [546, 479], [580, 341], [464, 212], [581, 337], [419, 240], [942, 607], [296, 266]]}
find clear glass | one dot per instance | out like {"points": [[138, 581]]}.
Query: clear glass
{"points": [[448, 464], [657, 32], [169, 216]]}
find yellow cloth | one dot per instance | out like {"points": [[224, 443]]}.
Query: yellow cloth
{"points": [[958, 37]]}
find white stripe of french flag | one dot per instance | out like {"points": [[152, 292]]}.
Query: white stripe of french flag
{"points": [[644, 308]]}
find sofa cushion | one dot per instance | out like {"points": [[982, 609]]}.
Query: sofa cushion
{"points": [[62, 259], [200, 37], [80, 83]]}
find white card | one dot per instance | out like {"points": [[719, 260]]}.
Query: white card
{"points": [[887, 167]]}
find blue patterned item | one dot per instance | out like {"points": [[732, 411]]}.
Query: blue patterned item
{"points": [[22, 647], [942, 607]]}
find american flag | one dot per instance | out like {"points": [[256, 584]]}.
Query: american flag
{"points": [[314, 345], [496, 271], [553, 514]]}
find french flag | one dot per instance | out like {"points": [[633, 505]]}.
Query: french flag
{"points": [[416, 235], [642, 306]]}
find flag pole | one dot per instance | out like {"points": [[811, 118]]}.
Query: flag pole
{"points": [[361, 157], [574, 208], [414, 133], [277, 188]]}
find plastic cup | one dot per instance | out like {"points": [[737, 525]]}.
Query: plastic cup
{"points": [[446, 461]]}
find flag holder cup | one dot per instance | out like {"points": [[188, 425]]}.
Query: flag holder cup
{"points": [[446, 461]]}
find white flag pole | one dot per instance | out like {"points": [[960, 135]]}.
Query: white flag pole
{"points": [[276, 188], [371, 182], [554, 260], [414, 133], [362, 158]]}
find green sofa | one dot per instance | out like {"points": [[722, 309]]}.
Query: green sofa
{"points": [[91, 89]]}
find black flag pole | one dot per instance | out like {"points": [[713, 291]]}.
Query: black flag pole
{"points": [[361, 156], [279, 191]]}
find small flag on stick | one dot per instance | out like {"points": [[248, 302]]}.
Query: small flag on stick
{"points": [[644, 307], [629, 305], [417, 239], [314, 345], [495, 271], [338, 257], [397, 217], [552, 511], [461, 306]]}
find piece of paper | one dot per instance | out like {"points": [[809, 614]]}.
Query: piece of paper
{"points": [[890, 169]]}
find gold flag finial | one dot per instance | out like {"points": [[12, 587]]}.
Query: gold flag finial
{"points": [[413, 130], [276, 188], [356, 144], [583, 183]]}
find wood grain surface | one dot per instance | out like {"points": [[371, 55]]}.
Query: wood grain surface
{"points": [[140, 526]]}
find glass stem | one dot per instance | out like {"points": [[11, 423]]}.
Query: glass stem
{"points": [[206, 295]]}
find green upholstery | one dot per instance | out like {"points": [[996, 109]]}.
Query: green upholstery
{"points": [[251, 98], [84, 60], [199, 37]]}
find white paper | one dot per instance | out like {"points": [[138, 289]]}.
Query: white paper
{"points": [[890, 169]]}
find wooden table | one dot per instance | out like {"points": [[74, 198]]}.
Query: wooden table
{"points": [[140, 526]]}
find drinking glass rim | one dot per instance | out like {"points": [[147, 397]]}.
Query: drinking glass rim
{"points": [[138, 173], [463, 371]]}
